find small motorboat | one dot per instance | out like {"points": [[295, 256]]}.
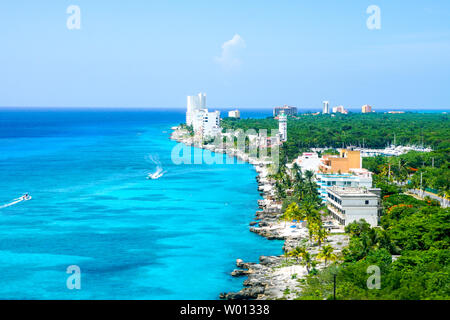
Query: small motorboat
{"points": [[25, 197], [156, 175]]}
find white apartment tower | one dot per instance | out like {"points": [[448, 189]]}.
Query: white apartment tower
{"points": [[326, 107], [282, 126], [205, 123], [194, 103]]}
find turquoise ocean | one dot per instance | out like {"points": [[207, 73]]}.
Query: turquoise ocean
{"points": [[173, 238]]}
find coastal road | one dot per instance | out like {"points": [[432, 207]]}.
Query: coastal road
{"points": [[422, 194]]}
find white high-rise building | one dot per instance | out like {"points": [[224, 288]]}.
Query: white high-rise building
{"points": [[211, 124], [194, 103], [203, 122], [326, 107], [282, 126], [206, 123]]}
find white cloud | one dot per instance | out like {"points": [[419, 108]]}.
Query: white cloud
{"points": [[229, 58]]}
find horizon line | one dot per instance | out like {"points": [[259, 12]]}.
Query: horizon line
{"points": [[392, 108]]}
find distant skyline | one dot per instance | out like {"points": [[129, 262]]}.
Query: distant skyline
{"points": [[251, 54]]}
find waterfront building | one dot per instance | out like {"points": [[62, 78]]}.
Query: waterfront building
{"points": [[194, 103], [287, 110], [326, 107], [340, 109], [282, 126], [203, 122], [349, 204], [206, 123], [366, 109], [347, 159], [308, 161], [234, 114], [341, 171], [354, 178]]}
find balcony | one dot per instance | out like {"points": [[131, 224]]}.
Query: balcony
{"points": [[336, 214]]}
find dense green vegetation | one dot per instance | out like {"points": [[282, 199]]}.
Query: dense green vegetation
{"points": [[416, 232], [411, 245], [373, 130], [433, 166]]}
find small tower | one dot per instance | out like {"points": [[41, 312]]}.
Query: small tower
{"points": [[282, 126]]}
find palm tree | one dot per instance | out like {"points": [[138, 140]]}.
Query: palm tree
{"points": [[297, 213], [310, 184], [312, 215], [309, 209], [314, 225], [289, 213], [298, 175], [327, 254], [298, 252], [321, 235], [279, 187], [402, 175], [307, 260], [309, 175]]}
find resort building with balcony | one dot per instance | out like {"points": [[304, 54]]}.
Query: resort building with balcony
{"points": [[344, 170], [354, 178], [348, 204]]}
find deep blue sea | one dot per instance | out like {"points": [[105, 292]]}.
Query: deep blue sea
{"points": [[173, 238]]}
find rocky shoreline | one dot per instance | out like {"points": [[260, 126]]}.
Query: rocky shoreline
{"points": [[273, 277]]}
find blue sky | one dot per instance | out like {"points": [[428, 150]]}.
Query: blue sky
{"points": [[241, 53]]}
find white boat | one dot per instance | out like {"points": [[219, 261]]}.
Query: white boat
{"points": [[25, 197], [156, 175]]}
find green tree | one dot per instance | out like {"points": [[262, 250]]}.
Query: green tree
{"points": [[326, 254]]}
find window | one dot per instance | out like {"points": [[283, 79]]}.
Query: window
{"points": [[367, 201]]}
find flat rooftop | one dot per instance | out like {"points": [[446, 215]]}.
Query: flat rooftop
{"points": [[352, 191]]}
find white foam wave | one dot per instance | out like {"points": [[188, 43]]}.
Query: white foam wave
{"points": [[159, 170], [15, 201]]}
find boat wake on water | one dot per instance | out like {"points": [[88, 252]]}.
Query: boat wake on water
{"points": [[159, 170], [25, 197]]}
